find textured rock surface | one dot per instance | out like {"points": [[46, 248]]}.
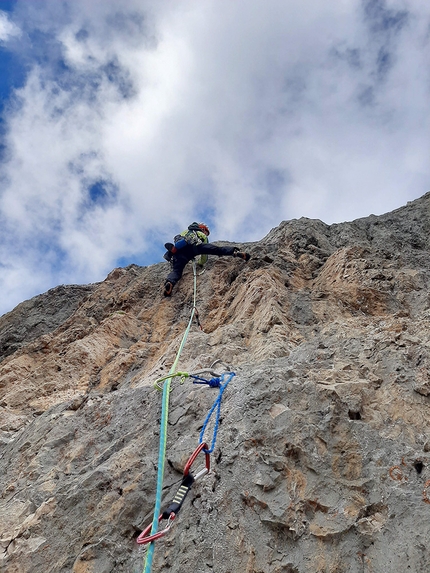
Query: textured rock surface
{"points": [[322, 458]]}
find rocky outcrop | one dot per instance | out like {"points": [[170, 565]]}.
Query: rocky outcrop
{"points": [[322, 457]]}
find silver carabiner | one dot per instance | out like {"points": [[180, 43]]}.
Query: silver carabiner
{"points": [[211, 370]]}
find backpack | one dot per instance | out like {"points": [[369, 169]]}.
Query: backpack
{"points": [[189, 237]]}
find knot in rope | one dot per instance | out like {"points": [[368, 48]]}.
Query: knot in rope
{"points": [[212, 383]]}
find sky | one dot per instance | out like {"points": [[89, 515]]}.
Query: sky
{"points": [[123, 122]]}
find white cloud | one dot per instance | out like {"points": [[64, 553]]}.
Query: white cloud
{"points": [[7, 28], [237, 112]]}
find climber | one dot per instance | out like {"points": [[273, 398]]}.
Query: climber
{"points": [[190, 243]]}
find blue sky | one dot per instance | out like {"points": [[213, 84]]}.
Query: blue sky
{"points": [[120, 123]]}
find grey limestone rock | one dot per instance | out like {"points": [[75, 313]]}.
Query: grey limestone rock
{"points": [[322, 460]]}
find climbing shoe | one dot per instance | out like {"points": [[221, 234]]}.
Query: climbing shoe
{"points": [[240, 255], [171, 248], [168, 287]]}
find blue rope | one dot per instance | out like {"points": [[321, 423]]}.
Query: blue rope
{"points": [[216, 406], [213, 382]]}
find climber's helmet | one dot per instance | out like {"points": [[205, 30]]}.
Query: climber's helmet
{"points": [[204, 228]]}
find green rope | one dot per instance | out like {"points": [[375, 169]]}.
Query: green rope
{"points": [[163, 433]]}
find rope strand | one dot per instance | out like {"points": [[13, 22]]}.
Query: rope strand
{"points": [[163, 434], [216, 406]]}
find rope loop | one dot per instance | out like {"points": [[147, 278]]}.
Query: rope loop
{"points": [[215, 407]]}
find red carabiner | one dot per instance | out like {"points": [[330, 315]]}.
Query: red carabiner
{"points": [[177, 503], [145, 538], [192, 459]]}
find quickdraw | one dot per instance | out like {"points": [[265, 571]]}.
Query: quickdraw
{"points": [[173, 509]]}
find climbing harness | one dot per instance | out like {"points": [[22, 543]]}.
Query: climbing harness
{"points": [[151, 533]]}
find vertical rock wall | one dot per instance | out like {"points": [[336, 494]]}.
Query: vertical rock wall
{"points": [[322, 457]]}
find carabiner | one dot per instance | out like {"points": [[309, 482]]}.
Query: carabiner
{"points": [[211, 370], [145, 538], [183, 375], [192, 459]]}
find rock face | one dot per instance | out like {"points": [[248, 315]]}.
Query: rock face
{"points": [[322, 460]]}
